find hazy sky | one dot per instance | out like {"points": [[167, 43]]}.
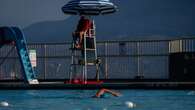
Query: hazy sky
{"points": [[25, 12], [134, 18]]}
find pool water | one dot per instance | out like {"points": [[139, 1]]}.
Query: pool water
{"points": [[81, 100]]}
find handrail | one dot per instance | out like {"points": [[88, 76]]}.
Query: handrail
{"points": [[112, 41]]}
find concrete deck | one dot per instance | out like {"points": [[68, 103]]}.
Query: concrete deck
{"points": [[110, 85]]}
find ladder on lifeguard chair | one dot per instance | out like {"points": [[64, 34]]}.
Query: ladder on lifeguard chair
{"points": [[87, 57]]}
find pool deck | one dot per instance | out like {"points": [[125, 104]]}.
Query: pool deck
{"points": [[109, 85]]}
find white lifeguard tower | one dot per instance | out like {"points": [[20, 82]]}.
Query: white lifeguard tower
{"points": [[82, 58]]}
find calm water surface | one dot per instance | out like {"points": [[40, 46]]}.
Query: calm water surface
{"points": [[81, 100]]}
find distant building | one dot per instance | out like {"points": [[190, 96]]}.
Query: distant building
{"points": [[182, 60]]}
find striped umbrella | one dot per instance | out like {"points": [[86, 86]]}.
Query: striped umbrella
{"points": [[89, 7]]}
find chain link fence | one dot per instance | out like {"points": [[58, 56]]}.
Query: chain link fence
{"points": [[120, 59]]}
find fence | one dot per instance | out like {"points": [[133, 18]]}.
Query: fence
{"points": [[120, 59]]}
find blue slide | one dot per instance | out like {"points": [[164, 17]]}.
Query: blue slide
{"points": [[14, 34]]}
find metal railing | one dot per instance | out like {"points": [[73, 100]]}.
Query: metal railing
{"points": [[120, 59]]}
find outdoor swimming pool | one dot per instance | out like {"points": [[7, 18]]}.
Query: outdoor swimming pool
{"points": [[81, 100]]}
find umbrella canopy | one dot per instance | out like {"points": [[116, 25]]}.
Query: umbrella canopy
{"points": [[89, 7]]}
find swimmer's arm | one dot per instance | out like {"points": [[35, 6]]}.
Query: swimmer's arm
{"points": [[112, 92], [99, 93]]}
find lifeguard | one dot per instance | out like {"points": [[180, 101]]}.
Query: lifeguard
{"points": [[83, 28]]}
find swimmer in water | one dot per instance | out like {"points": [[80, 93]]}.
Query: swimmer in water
{"points": [[101, 93]]}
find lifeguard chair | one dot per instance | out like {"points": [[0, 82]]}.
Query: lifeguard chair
{"points": [[83, 57]]}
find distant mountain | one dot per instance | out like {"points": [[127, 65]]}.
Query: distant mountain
{"points": [[50, 31], [135, 20]]}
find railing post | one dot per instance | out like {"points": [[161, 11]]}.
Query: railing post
{"points": [[138, 60], [45, 63], [106, 60], [139, 74]]}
